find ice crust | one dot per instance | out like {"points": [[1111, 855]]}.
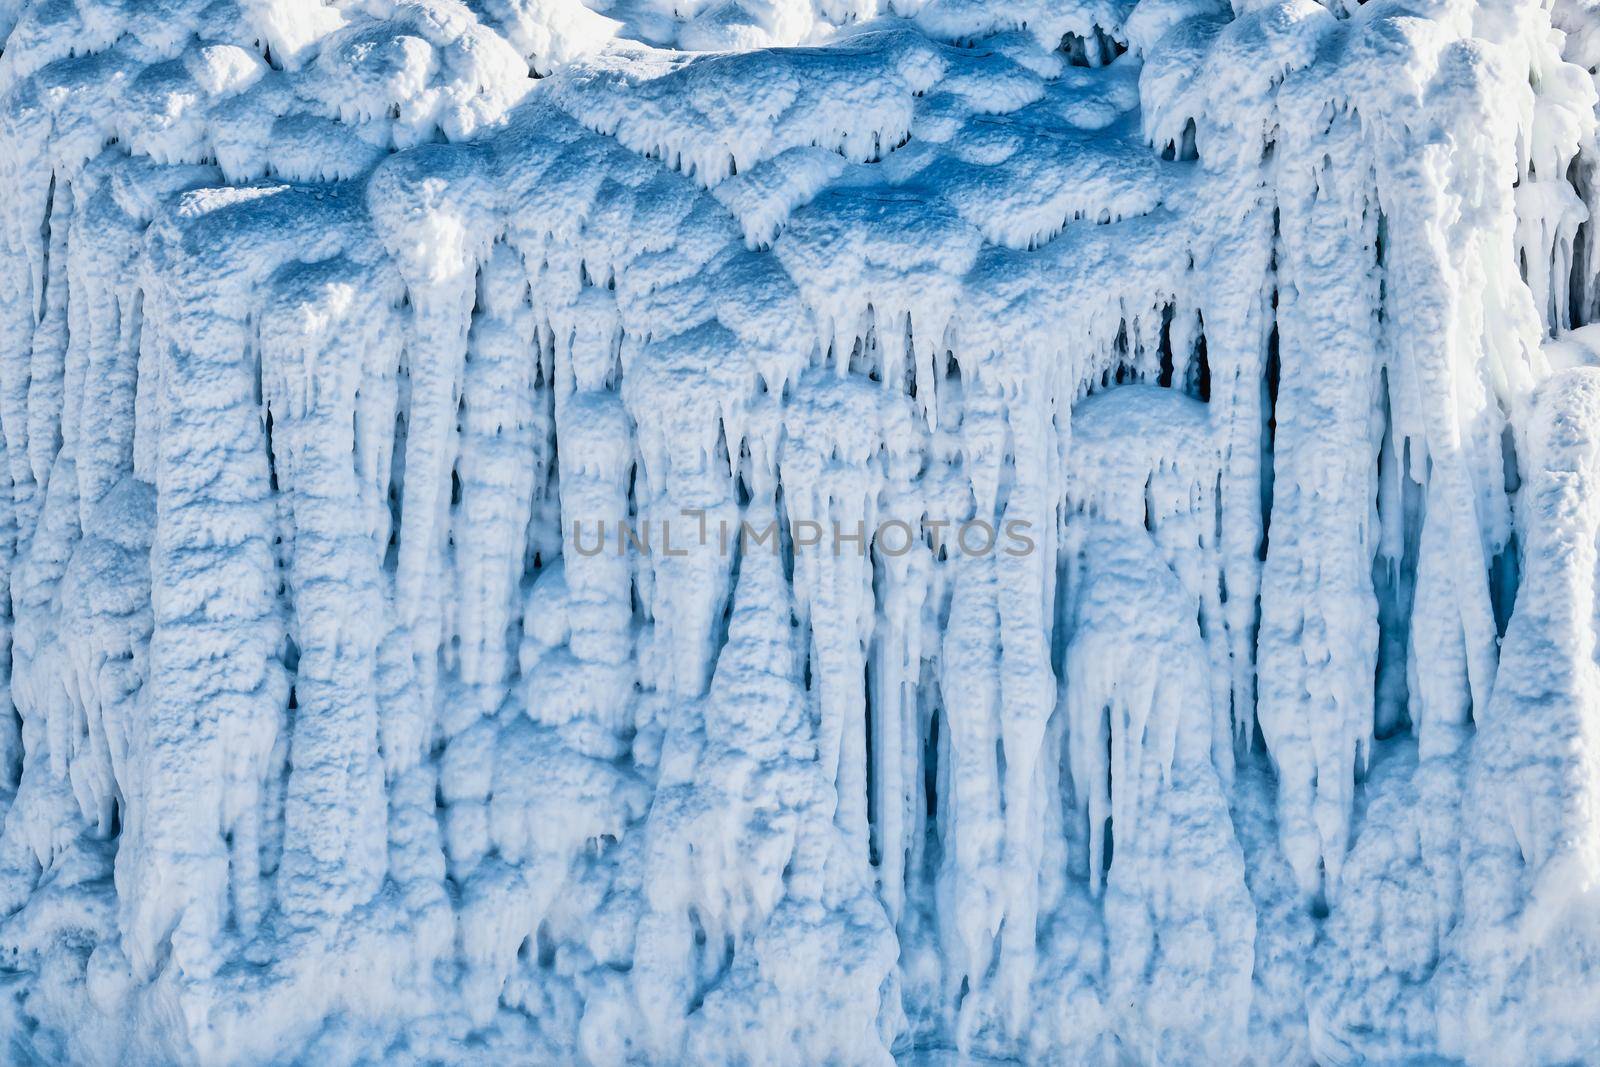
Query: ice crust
{"points": [[332, 334]]}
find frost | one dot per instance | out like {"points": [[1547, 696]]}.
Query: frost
{"points": [[799, 531]]}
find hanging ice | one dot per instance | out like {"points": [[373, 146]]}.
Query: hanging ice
{"points": [[799, 531]]}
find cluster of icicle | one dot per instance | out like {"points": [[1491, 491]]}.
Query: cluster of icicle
{"points": [[332, 332]]}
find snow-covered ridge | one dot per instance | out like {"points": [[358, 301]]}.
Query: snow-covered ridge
{"points": [[328, 328]]}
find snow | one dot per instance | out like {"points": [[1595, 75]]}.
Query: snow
{"points": [[799, 531]]}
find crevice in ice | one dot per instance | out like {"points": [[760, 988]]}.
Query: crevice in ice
{"points": [[1095, 49]]}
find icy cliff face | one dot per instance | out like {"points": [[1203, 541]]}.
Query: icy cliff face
{"points": [[799, 531]]}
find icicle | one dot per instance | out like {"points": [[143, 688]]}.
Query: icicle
{"points": [[498, 467], [1141, 745], [313, 332], [973, 872], [1319, 635], [212, 532]]}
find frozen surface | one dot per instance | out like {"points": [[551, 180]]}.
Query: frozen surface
{"points": [[799, 532]]}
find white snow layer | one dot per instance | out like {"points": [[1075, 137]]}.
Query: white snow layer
{"points": [[494, 505]]}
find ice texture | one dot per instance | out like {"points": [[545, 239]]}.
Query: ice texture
{"points": [[619, 532]]}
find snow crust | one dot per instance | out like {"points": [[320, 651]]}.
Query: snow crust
{"points": [[488, 501]]}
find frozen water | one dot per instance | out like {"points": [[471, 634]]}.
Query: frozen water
{"points": [[799, 531]]}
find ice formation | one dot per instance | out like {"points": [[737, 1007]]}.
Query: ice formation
{"points": [[799, 531]]}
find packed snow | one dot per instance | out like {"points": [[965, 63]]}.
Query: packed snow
{"points": [[803, 532]]}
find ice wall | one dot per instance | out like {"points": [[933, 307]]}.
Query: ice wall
{"points": [[799, 531]]}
